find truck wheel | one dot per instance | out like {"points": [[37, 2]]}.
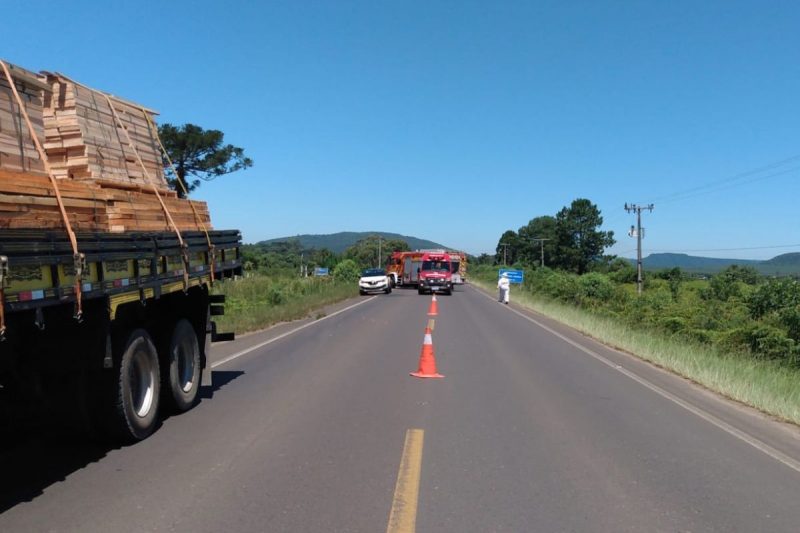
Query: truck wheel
{"points": [[183, 376], [420, 291], [137, 389]]}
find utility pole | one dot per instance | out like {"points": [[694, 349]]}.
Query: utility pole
{"points": [[379, 251], [505, 250], [541, 246], [639, 235]]}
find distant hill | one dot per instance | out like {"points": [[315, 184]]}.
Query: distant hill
{"points": [[791, 259], [338, 242], [780, 265]]}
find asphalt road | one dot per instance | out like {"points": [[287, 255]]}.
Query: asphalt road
{"points": [[534, 428]]}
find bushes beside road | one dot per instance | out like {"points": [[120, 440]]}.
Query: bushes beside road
{"points": [[258, 301], [737, 333]]}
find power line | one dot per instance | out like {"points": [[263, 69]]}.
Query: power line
{"points": [[728, 249], [686, 196], [723, 184], [730, 181]]}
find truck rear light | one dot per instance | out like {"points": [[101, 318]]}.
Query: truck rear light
{"points": [[27, 296]]}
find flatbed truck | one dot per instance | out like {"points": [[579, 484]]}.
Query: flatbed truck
{"points": [[126, 344]]}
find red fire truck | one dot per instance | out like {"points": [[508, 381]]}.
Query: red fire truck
{"points": [[435, 273], [458, 266], [404, 267]]}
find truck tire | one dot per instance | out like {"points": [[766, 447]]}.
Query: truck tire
{"points": [[182, 379], [135, 413]]}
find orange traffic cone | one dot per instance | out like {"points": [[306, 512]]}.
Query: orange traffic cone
{"points": [[434, 310], [427, 360]]}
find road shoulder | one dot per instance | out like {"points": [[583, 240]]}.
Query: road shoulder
{"points": [[782, 436]]}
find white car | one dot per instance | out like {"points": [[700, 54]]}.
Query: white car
{"points": [[374, 280]]}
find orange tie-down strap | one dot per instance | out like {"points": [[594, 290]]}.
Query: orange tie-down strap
{"points": [[212, 254], [184, 248], [78, 258]]}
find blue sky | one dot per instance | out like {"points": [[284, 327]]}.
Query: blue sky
{"points": [[455, 121]]}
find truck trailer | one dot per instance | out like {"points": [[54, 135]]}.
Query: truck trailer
{"points": [[106, 274], [458, 266], [404, 267], [140, 334]]}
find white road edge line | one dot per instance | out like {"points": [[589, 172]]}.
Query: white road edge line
{"points": [[282, 335], [708, 417]]}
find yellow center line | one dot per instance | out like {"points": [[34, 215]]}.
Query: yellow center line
{"points": [[431, 323], [403, 517]]}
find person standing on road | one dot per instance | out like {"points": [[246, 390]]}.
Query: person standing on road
{"points": [[503, 288]]}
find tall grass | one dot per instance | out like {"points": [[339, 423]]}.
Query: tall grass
{"points": [[769, 386], [256, 302]]}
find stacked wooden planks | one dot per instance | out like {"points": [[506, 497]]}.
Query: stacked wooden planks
{"points": [[83, 139], [17, 151], [98, 175], [28, 201]]}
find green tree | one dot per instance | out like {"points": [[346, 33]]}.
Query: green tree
{"points": [[744, 274], [674, 276], [508, 248], [198, 154], [346, 271], [253, 256], [543, 227], [579, 242], [275, 257], [729, 282], [365, 252], [322, 258], [483, 259], [595, 289], [621, 271], [774, 296]]}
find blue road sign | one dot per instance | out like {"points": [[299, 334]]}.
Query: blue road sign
{"points": [[514, 276], [319, 271]]}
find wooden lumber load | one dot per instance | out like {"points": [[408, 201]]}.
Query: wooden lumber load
{"points": [[17, 151], [97, 172], [29, 201], [83, 139], [99, 262]]}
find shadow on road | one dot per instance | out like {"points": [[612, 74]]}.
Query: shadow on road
{"points": [[40, 454], [42, 451], [219, 378]]}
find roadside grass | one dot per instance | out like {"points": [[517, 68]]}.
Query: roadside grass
{"points": [[259, 301], [766, 385]]}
